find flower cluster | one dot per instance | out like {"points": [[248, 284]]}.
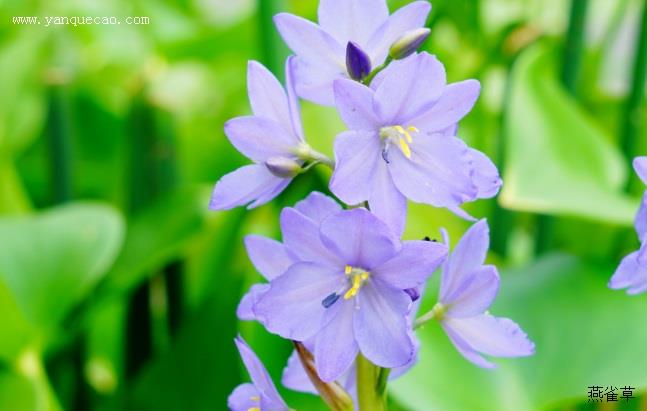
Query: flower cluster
{"points": [[632, 271], [342, 284]]}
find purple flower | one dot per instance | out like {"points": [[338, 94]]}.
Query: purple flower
{"points": [[321, 49], [272, 138], [261, 394], [346, 289], [401, 144], [467, 289], [632, 271]]}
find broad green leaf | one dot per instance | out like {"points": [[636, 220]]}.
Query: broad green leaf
{"points": [[16, 392], [155, 236], [15, 332], [22, 99], [585, 333], [558, 161], [51, 260]]}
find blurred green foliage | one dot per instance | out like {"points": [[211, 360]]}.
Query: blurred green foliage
{"points": [[118, 288]]}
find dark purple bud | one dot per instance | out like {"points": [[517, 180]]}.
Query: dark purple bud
{"points": [[358, 63], [408, 43], [330, 300], [413, 293]]}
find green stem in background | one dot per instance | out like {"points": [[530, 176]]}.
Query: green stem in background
{"points": [[369, 382], [273, 51], [631, 114], [59, 144], [333, 394], [573, 50]]}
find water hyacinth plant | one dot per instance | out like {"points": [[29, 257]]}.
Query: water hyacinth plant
{"points": [[343, 285]]}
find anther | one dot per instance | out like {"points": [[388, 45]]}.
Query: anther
{"points": [[330, 300]]}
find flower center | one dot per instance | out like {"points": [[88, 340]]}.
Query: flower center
{"points": [[399, 136], [357, 277]]}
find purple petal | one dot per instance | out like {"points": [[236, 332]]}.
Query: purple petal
{"points": [[245, 310], [455, 102], [640, 165], [259, 138], [354, 103], [270, 397], [292, 306], [252, 183], [317, 206], [382, 328], [295, 376], [409, 17], [354, 20], [486, 175], [438, 172], [467, 257], [310, 42], [498, 337], [314, 82], [356, 155], [243, 398], [335, 348], [359, 238], [358, 63], [293, 101], [408, 88], [465, 349], [640, 222], [269, 256], [386, 202], [413, 265], [475, 294], [266, 95], [302, 240], [631, 273]]}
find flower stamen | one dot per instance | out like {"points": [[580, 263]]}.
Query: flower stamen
{"points": [[359, 276], [401, 136]]}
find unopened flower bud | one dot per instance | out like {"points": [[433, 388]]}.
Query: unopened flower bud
{"points": [[358, 63], [408, 43], [283, 167]]}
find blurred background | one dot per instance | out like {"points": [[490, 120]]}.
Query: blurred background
{"points": [[118, 288]]}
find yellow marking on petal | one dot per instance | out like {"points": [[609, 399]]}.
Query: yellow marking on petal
{"points": [[348, 269], [406, 150], [254, 409], [256, 398], [413, 129]]}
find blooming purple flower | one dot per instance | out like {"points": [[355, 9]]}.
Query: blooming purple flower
{"points": [[467, 289], [272, 138], [321, 49], [401, 144], [346, 289], [632, 271], [272, 258], [261, 394]]}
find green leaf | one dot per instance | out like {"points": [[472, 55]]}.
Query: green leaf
{"points": [[12, 192], [585, 335], [155, 236], [15, 332], [51, 260], [558, 161], [16, 392]]}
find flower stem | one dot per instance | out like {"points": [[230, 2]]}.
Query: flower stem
{"points": [[632, 118], [371, 393], [333, 394], [377, 69], [435, 313]]}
